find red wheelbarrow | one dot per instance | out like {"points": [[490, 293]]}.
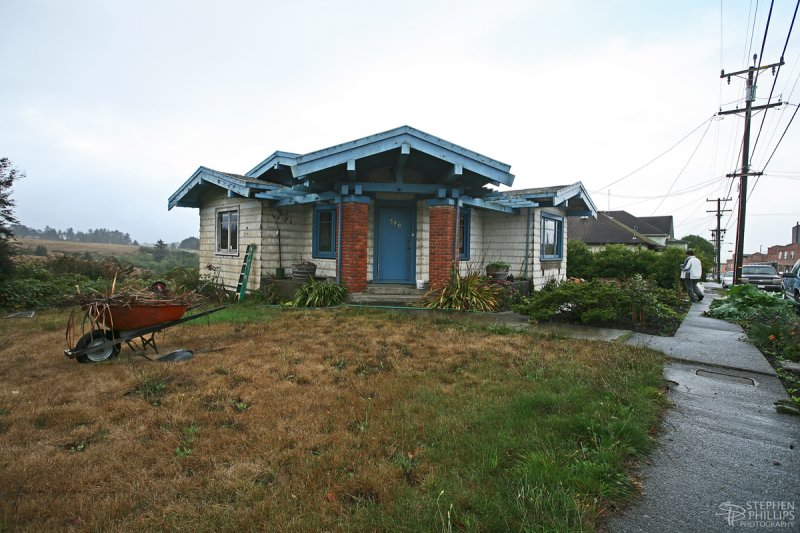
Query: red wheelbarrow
{"points": [[110, 325]]}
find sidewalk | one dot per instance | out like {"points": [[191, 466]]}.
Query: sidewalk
{"points": [[726, 461]]}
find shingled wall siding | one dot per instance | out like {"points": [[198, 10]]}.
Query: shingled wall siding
{"points": [[249, 233], [544, 271], [503, 239], [296, 241]]}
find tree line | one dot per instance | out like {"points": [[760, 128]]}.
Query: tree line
{"points": [[99, 235]]}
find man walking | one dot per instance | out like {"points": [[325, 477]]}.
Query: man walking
{"points": [[691, 269]]}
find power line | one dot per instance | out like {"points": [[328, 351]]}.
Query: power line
{"points": [[684, 168], [693, 188], [777, 73], [781, 139], [764, 41], [662, 154]]}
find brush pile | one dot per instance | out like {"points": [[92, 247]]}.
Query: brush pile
{"points": [[128, 295]]}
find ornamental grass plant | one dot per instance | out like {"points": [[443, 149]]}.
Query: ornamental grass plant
{"points": [[464, 292]]}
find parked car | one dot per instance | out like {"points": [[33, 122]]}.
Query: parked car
{"points": [[791, 283], [726, 279], [764, 277]]}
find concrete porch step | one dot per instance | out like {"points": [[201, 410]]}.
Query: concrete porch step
{"points": [[403, 300], [394, 289]]}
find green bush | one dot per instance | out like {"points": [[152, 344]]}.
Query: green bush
{"points": [[623, 262], [469, 292], [771, 323], [319, 294], [47, 292], [636, 304], [183, 279]]}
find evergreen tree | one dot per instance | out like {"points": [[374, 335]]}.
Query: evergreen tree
{"points": [[160, 250], [8, 175]]}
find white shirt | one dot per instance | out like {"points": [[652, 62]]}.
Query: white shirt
{"points": [[692, 269]]}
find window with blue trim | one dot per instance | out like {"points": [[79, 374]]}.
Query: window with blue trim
{"points": [[464, 224], [324, 232], [552, 237]]}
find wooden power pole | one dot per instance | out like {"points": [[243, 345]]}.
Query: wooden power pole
{"points": [[717, 235], [750, 96]]}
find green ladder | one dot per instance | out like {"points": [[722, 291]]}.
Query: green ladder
{"points": [[241, 287]]}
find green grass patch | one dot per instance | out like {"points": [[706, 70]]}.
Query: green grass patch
{"points": [[244, 313], [545, 449]]}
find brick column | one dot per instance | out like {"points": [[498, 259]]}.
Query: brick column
{"points": [[441, 243], [355, 221]]}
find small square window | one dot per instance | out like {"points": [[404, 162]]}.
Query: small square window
{"points": [[324, 232], [552, 237], [228, 231]]}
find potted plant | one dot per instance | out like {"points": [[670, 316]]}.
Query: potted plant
{"points": [[303, 270], [497, 270], [280, 217]]}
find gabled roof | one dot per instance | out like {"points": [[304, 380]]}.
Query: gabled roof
{"points": [[636, 223], [663, 224], [450, 173], [402, 140], [574, 198], [189, 194], [608, 230]]}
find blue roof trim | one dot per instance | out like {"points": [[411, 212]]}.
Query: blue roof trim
{"points": [[241, 186], [559, 198], [277, 158], [495, 171]]}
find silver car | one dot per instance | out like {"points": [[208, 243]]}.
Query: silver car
{"points": [[726, 279], [791, 283]]}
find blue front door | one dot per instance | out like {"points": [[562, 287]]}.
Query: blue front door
{"points": [[395, 244]]}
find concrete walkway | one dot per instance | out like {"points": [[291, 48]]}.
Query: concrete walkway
{"points": [[726, 459]]}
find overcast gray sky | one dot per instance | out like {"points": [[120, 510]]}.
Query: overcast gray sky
{"points": [[109, 106]]}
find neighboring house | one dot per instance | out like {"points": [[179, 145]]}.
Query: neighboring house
{"points": [[620, 227], [394, 207]]}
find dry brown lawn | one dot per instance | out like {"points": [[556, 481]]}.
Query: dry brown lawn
{"points": [[294, 423]]}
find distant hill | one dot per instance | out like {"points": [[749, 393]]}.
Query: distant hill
{"points": [[70, 247]]}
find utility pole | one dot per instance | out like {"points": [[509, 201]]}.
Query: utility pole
{"points": [[750, 96], [717, 234]]}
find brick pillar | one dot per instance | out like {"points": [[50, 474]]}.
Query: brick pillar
{"points": [[441, 244], [354, 245]]}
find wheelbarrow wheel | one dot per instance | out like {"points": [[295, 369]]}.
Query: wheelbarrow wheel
{"points": [[94, 338]]}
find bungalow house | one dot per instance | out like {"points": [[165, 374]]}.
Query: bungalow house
{"points": [[392, 208], [621, 227]]}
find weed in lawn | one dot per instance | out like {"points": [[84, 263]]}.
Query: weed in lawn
{"points": [[339, 364], [240, 405], [407, 462], [216, 401], [81, 444], [151, 383], [187, 438], [501, 329]]}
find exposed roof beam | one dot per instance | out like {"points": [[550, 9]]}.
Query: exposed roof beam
{"points": [[307, 199], [399, 167], [477, 202], [455, 172]]}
